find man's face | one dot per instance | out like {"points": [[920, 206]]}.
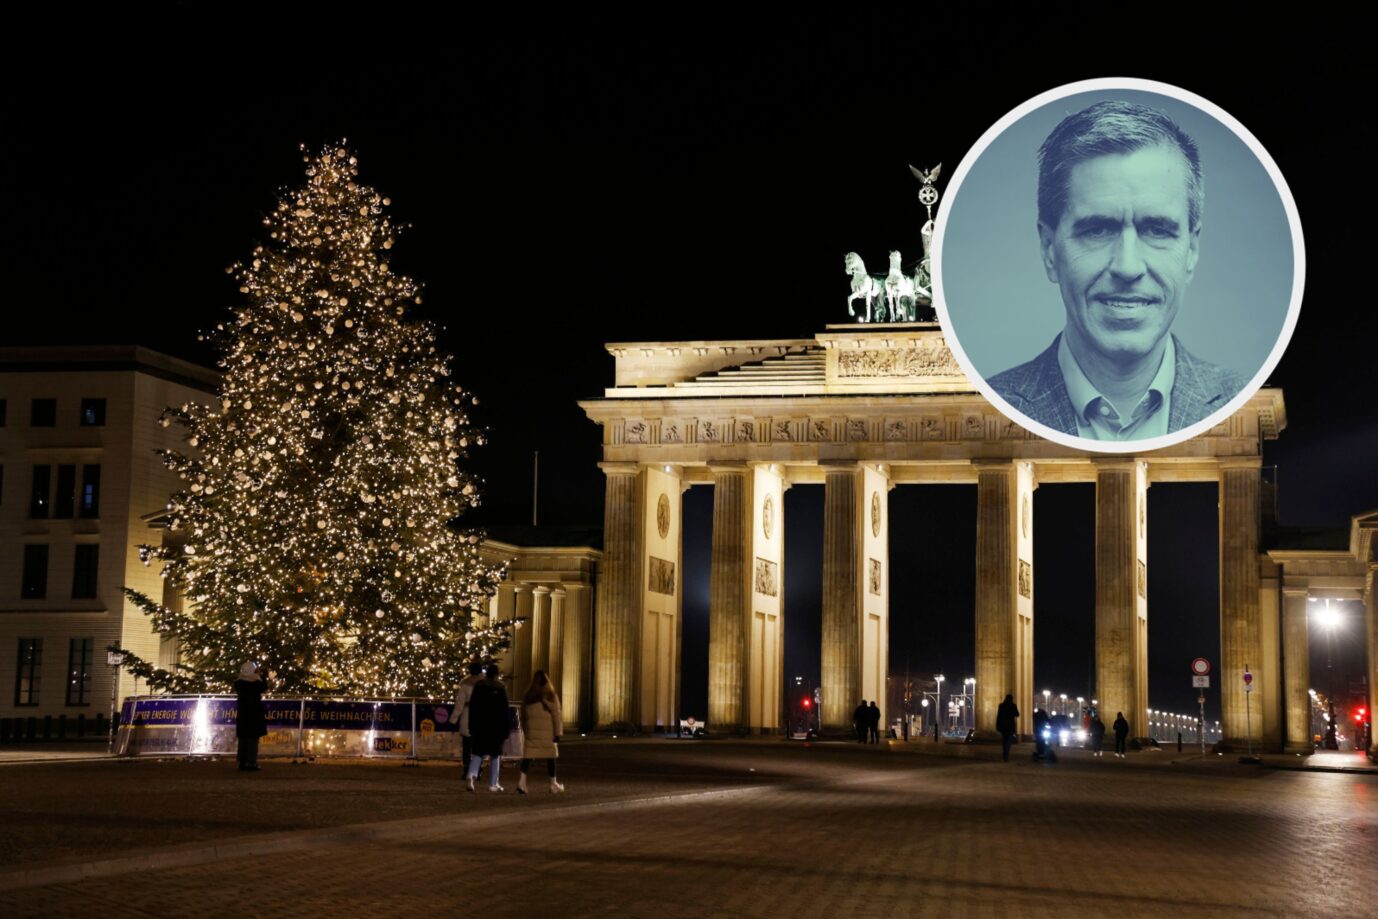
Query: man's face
{"points": [[1122, 252]]}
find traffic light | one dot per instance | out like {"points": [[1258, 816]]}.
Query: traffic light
{"points": [[1359, 714], [807, 703]]}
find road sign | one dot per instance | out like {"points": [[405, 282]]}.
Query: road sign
{"points": [[1200, 667], [1201, 682], [114, 658], [1248, 681]]}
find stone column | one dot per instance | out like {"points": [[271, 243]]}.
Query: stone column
{"points": [[728, 609], [619, 597], [520, 672], [1240, 640], [996, 591], [577, 679], [1296, 678], [765, 566], [540, 630], [1121, 589], [841, 676], [555, 666], [1371, 615]]}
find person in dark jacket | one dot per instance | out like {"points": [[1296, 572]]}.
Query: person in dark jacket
{"points": [[873, 722], [1121, 733], [250, 724], [861, 719], [1005, 721], [489, 725], [1097, 735]]}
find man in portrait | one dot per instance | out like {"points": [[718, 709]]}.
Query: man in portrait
{"points": [[1120, 200]]}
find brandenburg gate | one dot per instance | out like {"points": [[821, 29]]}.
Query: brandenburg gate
{"points": [[860, 410]]}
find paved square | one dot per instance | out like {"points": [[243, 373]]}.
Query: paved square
{"points": [[665, 829]]}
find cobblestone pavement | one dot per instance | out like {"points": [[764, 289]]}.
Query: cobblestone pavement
{"points": [[819, 831]]}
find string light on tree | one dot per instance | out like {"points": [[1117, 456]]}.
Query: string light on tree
{"points": [[316, 533]]}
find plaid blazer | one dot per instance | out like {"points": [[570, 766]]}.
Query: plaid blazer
{"points": [[1036, 389]]}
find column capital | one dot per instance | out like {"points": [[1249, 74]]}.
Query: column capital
{"points": [[558, 593], [1294, 591], [612, 469], [728, 467], [838, 465], [1239, 462], [540, 590], [995, 463], [518, 586], [1115, 463]]}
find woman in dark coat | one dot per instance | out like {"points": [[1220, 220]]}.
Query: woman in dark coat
{"points": [[1097, 734], [249, 722], [1121, 733], [489, 725]]}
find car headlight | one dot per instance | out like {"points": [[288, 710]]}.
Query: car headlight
{"points": [[1081, 736]]}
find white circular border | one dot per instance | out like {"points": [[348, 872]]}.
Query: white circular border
{"points": [[1298, 265]]}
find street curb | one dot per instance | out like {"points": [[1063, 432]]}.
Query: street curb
{"points": [[302, 840]]}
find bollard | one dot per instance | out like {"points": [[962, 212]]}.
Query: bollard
{"points": [[32, 726], [62, 726], [1179, 741], [81, 724], [4, 730], [47, 727]]}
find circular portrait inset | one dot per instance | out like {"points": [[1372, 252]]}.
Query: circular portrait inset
{"points": [[1119, 266]]}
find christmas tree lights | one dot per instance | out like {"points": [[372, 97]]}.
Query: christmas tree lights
{"points": [[315, 533]]}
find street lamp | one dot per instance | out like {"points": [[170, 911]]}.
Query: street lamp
{"points": [[1064, 703], [1046, 694], [938, 703], [1329, 619]]}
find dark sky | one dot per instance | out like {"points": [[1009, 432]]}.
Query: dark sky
{"points": [[569, 190]]}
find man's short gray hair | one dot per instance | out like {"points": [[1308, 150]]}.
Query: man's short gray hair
{"points": [[1106, 128]]}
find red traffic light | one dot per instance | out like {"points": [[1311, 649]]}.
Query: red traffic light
{"points": [[806, 703], [1359, 714]]}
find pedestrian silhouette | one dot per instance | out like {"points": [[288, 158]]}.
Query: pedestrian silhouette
{"points": [[1121, 733], [1005, 721], [861, 719], [873, 722]]}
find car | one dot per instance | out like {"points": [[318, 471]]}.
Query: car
{"points": [[1064, 731]]}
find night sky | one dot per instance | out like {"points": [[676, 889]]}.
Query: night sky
{"points": [[569, 191]]}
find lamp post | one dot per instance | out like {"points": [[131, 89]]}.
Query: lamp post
{"points": [[922, 716], [1330, 620], [938, 703], [1046, 694], [1063, 697]]}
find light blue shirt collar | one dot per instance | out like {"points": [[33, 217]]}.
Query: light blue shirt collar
{"points": [[1097, 418]]}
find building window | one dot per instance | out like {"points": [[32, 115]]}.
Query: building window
{"points": [[90, 491], [65, 501], [43, 413], [38, 495], [30, 670], [79, 671], [84, 572], [93, 413], [35, 572]]}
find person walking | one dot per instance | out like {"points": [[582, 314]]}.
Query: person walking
{"points": [[1121, 734], [542, 725], [489, 726], [1005, 721], [461, 717], [860, 718], [250, 724], [1097, 735], [873, 722]]}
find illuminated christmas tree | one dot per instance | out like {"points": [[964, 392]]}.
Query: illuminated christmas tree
{"points": [[316, 531]]}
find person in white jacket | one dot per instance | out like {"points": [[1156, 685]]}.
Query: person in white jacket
{"points": [[461, 715]]}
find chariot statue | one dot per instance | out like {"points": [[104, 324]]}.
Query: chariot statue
{"points": [[897, 296]]}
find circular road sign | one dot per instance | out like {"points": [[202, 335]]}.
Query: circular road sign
{"points": [[1200, 666]]}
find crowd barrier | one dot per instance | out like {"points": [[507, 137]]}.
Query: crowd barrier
{"points": [[297, 726]]}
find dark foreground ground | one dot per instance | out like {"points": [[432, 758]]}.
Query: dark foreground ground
{"points": [[665, 829]]}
